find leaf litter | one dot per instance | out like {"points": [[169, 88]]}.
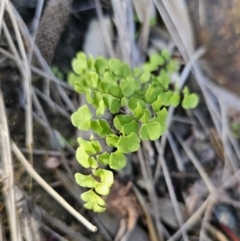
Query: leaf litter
{"points": [[168, 206]]}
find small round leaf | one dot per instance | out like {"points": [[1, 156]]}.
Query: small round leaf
{"points": [[82, 157], [103, 158], [84, 180], [82, 118], [105, 176], [121, 120], [117, 160], [129, 143], [150, 131], [112, 140], [101, 188], [190, 101]]}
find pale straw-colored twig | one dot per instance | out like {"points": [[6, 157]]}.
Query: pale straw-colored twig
{"points": [[49, 189]]}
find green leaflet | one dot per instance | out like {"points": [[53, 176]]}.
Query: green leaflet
{"points": [[150, 131], [125, 71], [130, 127], [82, 157], [101, 65], [138, 111], [145, 77], [157, 60], [117, 160], [166, 97], [133, 103], [129, 143], [101, 127], [101, 108], [104, 158], [105, 176], [175, 99], [115, 66], [90, 147], [190, 101], [127, 87], [84, 180], [121, 120], [162, 114], [115, 91], [164, 79], [112, 140], [94, 206], [81, 118], [79, 63], [165, 54], [101, 188], [92, 196], [146, 116], [112, 103]]}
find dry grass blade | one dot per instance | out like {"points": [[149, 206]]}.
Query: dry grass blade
{"points": [[172, 194], [191, 221], [48, 127], [151, 192], [35, 26], [2, 8], [50, 76], [51, 103], [42, 152], [29, 224], [49, 189], [150, 224], [123, 16], [43, 63], [53, 233], [205, 83], [220, 236], [103, 28], [55, 223], [69, 185], [176, 153], [144, 9], [197, 165], [26, 75], [206, 218], [8, 178], [172, 12]]}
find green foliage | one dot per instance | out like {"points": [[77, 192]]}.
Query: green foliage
{"points": [[190, 101], [57, 72], [137, 99]]}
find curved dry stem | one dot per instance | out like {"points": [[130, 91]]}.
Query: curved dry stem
{"points": [[191, 221], [172, 194], [8, 178], [196, 164], [49, 189], [26, 75], [150, 189], [151, 227]]}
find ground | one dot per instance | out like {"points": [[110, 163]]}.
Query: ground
{"points": [[184, 185]]}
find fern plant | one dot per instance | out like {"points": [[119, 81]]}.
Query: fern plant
{"points": [[137, 99]]}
